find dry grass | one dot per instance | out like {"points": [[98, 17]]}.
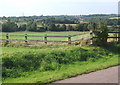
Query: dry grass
{"points": [[111, 40]]}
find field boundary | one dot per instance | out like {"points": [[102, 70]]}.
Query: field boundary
{"points": [[69, 41]]}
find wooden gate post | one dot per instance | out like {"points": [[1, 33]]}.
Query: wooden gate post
{"points": [[45, 39], [69, 39]]}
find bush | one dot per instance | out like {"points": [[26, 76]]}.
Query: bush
{"points": [[99, 30], [15, 64], [9, 27]]}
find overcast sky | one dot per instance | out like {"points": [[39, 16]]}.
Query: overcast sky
{"points": [[57, 7]]}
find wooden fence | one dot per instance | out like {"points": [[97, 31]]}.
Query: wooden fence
{"points": [[45, 37], [69, 41], [117, 36]]}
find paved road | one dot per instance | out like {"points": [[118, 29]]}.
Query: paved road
{"points": [[109, 75]]}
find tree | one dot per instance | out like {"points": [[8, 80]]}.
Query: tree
{"points": [[78, 27], [31, 26], [63, 27], [69, 28], [22, 27], [52, 27], [100, 30], [85, 27], [9, 27], [58, 27], [92, 26]]}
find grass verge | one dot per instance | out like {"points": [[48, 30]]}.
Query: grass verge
{"points": [[65, 72], [38, 66]]}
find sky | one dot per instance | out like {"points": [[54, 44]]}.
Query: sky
{"points": [[57, 7]]}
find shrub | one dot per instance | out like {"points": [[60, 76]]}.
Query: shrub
{"points": [[15, 64]]}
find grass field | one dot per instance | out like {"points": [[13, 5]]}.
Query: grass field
{"points": [[51, 62], [48, 63], [46, 33]]}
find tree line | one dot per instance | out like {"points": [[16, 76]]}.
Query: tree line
{"points": [[13, 27], [53, 24], [10, 26]]}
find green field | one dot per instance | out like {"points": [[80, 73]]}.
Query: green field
{"points": [[48, 63], [46, 33]]}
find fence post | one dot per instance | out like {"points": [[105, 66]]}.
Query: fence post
{"points": [[25, 38], [116, 35], [119, 36], [69, 39], [45, 39], [91, 35], [7, 38]]}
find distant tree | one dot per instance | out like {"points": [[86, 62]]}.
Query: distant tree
{"points": [[78, 27], [9, 26], [85, 27], [63, 27], [22, 27], [58, 21], [58, 27], [52, 27], [92, 26], [69, 28], [3, 18], [31, 26]]}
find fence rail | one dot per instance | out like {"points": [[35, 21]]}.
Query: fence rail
{"points": [[35, 35], [107, 37], [113, 32], [69, 41], [117, 36]]}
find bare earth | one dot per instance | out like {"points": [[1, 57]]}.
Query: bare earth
{"points": [[109, 75]]}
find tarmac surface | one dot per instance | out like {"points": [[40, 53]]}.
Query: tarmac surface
{"points": [[109, 75]]}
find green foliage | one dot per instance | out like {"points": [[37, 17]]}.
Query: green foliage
{"points": [[31, 26], [9, 27], [81, 27], [31, 61], [58, 21], [50, 65], [100, 31], [69, 28], [63, 27], [52, 27], [22, 27], [112, 21]]}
